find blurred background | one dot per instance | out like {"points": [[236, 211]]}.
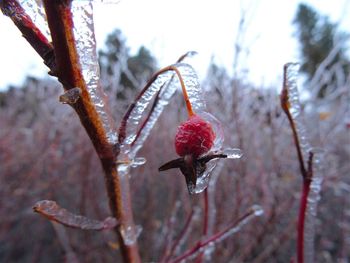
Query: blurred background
{"points": [[45, 153]]}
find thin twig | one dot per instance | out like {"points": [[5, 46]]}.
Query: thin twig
{"points": [[214, 238], [306, 173], [52, 211], [205, 220], [181, 236]]}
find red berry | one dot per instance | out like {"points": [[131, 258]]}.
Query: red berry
{"points": [[194, 136]]}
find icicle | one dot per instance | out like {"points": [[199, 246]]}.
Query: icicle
{"points": [[164, 97], [233, 153], [130, 234], [138, 162], [312, 202], [295, 107], [194, 92], [36, 11], [141, 105], [86, 47]]}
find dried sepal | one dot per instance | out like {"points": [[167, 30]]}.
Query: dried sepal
{"points": [[192, 168]]}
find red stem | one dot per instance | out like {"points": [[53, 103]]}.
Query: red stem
{"points": [[68, 70], [301, 219]]}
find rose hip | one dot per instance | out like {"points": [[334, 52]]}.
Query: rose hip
{"points": [[194, 136]]}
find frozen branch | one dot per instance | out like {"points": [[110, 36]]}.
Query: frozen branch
{"points": [[52, 211]]}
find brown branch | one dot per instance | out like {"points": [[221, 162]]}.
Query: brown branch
{"points": [[69, 73]]}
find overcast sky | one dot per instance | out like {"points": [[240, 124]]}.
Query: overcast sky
{"points": [[170, 28]]}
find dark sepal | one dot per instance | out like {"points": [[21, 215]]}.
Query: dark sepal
{"points": [[191, 167]]}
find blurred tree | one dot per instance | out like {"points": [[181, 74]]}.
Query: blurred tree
{"points": [[119, 68], [3, 99], [318, 37]]}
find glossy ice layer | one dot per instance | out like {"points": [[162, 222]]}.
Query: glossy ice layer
{"points": [[166, 83], [295, 107], [312, 203], [256, 210], [315, 188], [86, 47]]}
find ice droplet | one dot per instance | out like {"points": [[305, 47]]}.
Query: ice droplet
{"points": [[35, 10], [257, 209], [130, 233], [138, 161], [84, 34], [233, 153]]}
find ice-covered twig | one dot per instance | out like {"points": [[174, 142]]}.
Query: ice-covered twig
{"points": [[169, 228], [307, 211], [52, 211], [153, 111], [205, 220], [162, 87], [69, 70], [62, 236], [233, 228], [291, 106], [182, 236], [29, 30]]}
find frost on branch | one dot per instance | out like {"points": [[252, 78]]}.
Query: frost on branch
{"points": [[86, 47], [312, 202], [52, 211], [294, 107]]}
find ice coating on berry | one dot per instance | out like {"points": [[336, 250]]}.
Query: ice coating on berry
{"points": [[195, 136]]}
